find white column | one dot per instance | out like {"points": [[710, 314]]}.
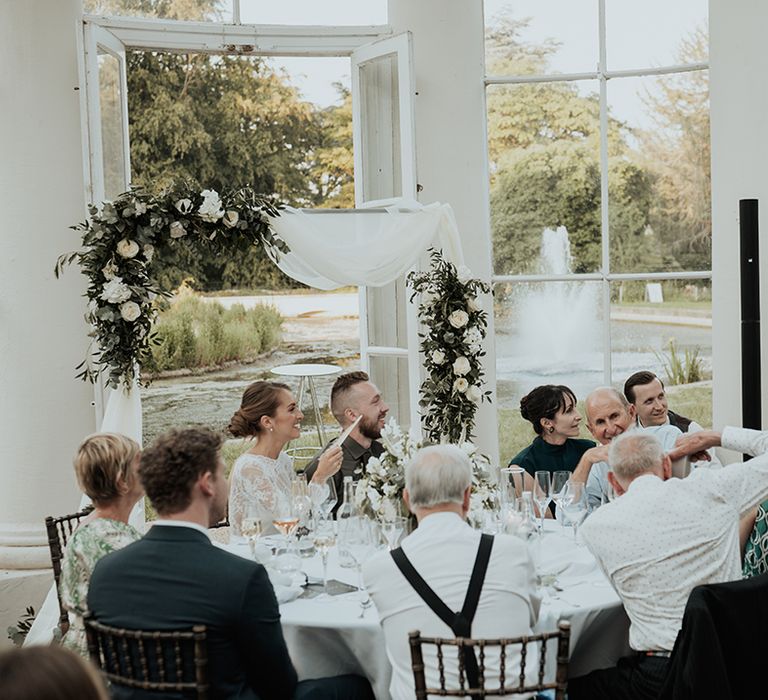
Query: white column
{"points": [[739, 103], [44, 411], [451, 151]]}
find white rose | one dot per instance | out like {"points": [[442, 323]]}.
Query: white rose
{"points": [[460, 385], [388, 510], [230, 219], [374, 497], [178, 230], [474, 393], [115, 292], [473, 304], [210, 210], [184, 206], [140, 208], [149, 252], [438, 357], [130, 311], [458, 319], [128, 249], [463, 273], [461, 366]]}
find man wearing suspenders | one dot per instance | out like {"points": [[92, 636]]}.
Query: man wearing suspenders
{"points": [[447, 580]]}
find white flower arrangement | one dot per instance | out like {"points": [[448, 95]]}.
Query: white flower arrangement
{"points": [[452, 343], [122, 238]]}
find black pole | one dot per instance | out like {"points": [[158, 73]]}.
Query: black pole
{"points": [[750, 315]]}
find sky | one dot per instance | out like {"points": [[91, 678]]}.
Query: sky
{"points": [[639, 35]]}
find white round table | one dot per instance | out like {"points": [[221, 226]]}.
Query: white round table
{"points": [[306, 373]]}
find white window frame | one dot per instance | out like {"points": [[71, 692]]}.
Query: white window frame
{"points": [[604, 274]]}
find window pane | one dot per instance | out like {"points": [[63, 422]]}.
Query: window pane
{"points": [[544, 145], [672, 338], [112, 143], [342, 12], [210, 10], [390, 375], [654, 33], [526, 37], [659, 173]]}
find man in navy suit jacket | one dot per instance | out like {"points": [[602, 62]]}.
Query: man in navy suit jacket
{"points": [[174, 578]]}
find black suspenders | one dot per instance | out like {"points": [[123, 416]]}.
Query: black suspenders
{"points": [[459, 622]]}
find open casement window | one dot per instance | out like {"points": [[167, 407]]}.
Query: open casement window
{"points": [[107, 113], [385, 175], [107, 151]]}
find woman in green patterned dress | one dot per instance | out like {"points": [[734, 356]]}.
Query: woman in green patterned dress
{"points": [[106, 466], [756, 549]]}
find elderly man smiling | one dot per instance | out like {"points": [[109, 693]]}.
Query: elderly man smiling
{"points": [[609, 414]]}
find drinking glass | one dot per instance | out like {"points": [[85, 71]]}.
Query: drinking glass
{"points": [[559, 481], [323, 497], [356, 536], [394, 529], [608, 494], [303, 506], [286, 519], [542, 494], [251, 526], [512, 484], [574, 504], [324, 539]]}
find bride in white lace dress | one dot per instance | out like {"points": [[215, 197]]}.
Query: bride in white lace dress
{"points": [[269, 414]]}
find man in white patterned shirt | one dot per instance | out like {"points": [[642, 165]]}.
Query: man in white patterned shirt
{"points": [[662, 538]]}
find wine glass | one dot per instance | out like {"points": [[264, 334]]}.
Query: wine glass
{"points": [[323, 497], [356, 535], [393, 529], [251, 526], [559, 481], [542, 494], [286, 519], [574, 504], [324, 539]]}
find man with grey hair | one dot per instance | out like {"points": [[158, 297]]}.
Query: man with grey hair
{"points": [[664, 536], [609, 414], [447, 557]]}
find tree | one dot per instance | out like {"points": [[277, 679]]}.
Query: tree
{"points": [[677, 154]]}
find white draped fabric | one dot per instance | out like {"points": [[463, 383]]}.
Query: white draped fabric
{"points": [[363, 248]]}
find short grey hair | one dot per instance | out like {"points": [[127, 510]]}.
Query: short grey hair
{"points": [[634, 453], [436, 475]]}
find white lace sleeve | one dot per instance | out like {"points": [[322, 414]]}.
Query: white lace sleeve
{"points": [[258, 481]]}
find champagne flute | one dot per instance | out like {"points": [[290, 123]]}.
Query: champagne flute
{"points": [[324, 539], [575, 504], [286, 518], [542, 494], [357, 537], [251, 526], [559, 481]]}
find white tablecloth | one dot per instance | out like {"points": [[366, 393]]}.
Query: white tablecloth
{"points": [[327, 638]]}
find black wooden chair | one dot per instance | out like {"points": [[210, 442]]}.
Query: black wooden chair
{"points": [[59, 531], [485, 649], [158, 661]]}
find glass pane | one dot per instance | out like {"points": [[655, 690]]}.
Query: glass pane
{"points": [[390, 375], [379, 107], [544, 149], [112, 141], [207, 10], [672, 338], [659, 173], [343, 12], [527, 37], [386, 314], [655, 33]]}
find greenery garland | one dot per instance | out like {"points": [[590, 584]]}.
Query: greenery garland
{"points": [[456, 326], [122, 238]]}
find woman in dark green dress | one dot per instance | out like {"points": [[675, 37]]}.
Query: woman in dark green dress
{"points": [[551, 409]]}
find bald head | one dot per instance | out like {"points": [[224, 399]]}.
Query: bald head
{"points": [[608, 413]]}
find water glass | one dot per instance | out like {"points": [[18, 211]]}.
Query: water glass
{"points": [[542, 494], [393, 530], [574, 504], [323, 498]]}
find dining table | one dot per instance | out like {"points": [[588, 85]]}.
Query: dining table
{"points": [[329, 635]]}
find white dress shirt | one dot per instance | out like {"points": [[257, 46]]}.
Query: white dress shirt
{"points": [[597, 481], [443, 550], [662, 538]]}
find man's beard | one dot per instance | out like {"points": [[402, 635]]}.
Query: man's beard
{"points": [[369, 428]]}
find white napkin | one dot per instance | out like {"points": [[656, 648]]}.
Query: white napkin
{"points": [[286, 589]]}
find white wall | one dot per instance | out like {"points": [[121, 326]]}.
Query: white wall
{"points": [[739, 127], [448, 55]]}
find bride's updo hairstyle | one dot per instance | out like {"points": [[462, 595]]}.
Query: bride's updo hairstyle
{"points": [[544, 402], [259, 399]]}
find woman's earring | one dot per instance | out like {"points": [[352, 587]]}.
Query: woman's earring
{"points": [[550, 429]]}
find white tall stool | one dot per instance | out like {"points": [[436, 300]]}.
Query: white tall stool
{"points": [[306, 375]]}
